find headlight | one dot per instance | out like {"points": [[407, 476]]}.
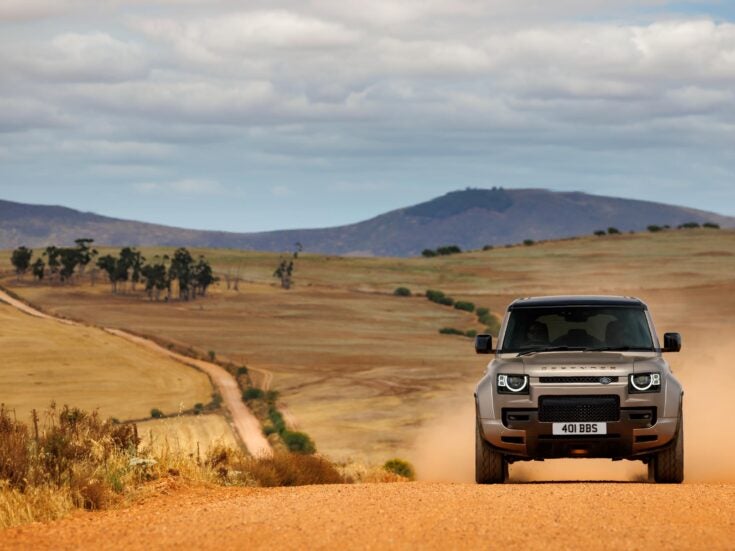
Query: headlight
{"points": [[513, 384], [644, 382]]}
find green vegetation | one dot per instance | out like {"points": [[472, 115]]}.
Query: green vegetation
{"points": [[451, 331], [156, 413], [528, 242], [441, 251], [298, 442], [600, 233], [653, 228], [711, 226], [286, 266], [482, 312], [21, 260], [402, 292], [613, 231], [401, 468], [439, 298], [465, 306], [252, 393]]}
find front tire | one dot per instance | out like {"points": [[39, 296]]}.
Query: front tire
{"points": [[667, 467], [490, 466]]}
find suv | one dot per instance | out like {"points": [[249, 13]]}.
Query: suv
{"points": [[579, 376]]}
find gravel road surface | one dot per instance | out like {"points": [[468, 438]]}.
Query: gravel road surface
{"points": [[406, 516]]}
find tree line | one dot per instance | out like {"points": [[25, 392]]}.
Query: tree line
{"points": [[192, 276]]}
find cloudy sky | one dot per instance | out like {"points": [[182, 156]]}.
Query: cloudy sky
{"points": [[258, 115]]}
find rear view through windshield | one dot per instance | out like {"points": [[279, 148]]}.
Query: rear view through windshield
{"points": [[615, 328]]}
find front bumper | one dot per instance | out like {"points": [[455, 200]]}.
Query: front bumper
{"points": [[637, 433]]}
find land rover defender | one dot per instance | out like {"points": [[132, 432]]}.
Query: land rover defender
{"points": [[579, 377]]}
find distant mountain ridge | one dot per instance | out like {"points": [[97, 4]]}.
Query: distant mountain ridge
{"points": [[470, 218]]}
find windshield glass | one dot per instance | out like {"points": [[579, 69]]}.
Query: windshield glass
{"points": [[583, 327]]}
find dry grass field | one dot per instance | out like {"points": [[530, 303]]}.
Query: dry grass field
{"points": [[187, 434], [45, 361], [368, 375]]}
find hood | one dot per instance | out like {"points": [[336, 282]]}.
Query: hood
{"points": [[584, 363]]}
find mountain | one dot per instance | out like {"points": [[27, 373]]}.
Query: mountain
{"points": [[469, 218]]}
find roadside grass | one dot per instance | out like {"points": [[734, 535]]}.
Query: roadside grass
{"points": [[67, 459]]}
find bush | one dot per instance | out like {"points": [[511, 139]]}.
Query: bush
{"points": [[211, 355], [401, 468], [528, 242], [450, 331], [277, 419], [428, 253], [450, 249], [291, 469], [689, 226], [402, 292], [298, 442], [654, 228], [600, 233], [252, 393], [488, 248], [471, 333], [711, 226], [156, 413], [198, 408], [482, 312], [492, 325], [613, 231], [242, 371], [464, 306], [446, 301]]}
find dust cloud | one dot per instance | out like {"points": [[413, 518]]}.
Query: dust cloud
{"points": [[444, 448]]}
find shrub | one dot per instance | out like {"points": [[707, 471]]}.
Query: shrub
{"points": [[277, 419], [211, 355], [450, 331], [471, 333], [242, 371], [292, 469], [464, 306], [492, 325], [481, 312], [156, 413], [449, 249], [198, 408], [689, 226], [711, 226], [271, 396], [428, 253], [435, 296], [488, 248], [252, 393], [600, 233], [654, 228], [402, 292], [298, 442], [401, 468], [446, 301], [528, 242], [613, 231]]}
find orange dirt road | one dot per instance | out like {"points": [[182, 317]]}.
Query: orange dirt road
{"points": [[406, 516]]}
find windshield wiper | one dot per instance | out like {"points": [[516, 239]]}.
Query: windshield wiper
{"points": [[549, 349]]}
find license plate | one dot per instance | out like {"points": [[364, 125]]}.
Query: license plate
{"points": [[577, 429]]}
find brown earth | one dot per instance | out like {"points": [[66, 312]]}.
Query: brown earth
{"points": [[593, 515]]}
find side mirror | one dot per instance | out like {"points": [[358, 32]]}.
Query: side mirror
{"points": [[484, 344], [672, 342]]}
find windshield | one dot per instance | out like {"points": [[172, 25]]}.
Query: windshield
{"points": [[583, 327]]}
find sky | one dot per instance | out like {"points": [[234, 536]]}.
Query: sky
{"points": [[259, 115]]}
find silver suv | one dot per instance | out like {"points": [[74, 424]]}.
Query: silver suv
{"points": [[579, 376]]}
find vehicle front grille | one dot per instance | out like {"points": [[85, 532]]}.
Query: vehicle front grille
{"points": [[567, 380], [578, 409]]}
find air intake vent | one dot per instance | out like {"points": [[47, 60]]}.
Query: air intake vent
{"points": [[578, 409]]}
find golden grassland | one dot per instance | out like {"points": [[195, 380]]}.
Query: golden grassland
{"points": [[187, 434], [367, 374], [44, 361]]}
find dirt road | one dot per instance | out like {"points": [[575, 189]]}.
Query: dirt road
{"points": [[246, 424], [403, 516]]}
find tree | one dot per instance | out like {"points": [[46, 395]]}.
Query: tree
{"points": [[21, 260], [156, 277], [284, 272], [181, 270], [38, 269], [108, 264], [52, 254], [203, 276], [85, 253]]}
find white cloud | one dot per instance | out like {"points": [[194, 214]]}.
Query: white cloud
{"points": [[186, 186]]}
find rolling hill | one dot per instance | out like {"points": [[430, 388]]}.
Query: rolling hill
{"points": [[470, 218]]}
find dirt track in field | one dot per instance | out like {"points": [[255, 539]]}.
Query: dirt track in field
{"points": [[246, 424], [405, 516]]}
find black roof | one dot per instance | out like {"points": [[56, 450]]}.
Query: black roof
{"points": [[576, 300]]}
